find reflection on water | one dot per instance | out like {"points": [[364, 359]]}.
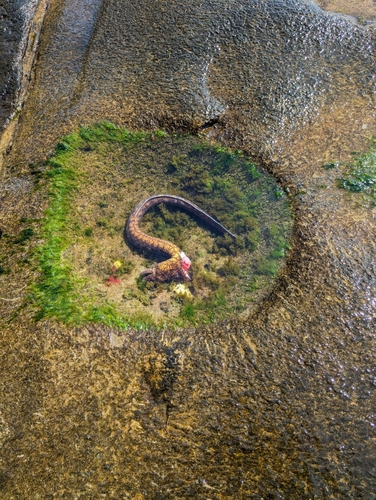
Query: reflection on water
{"points": [[266, 68]]}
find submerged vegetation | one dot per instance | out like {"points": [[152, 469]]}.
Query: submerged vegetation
{"points": [[359, 175], [96, 177]]}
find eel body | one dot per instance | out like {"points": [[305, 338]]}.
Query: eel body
{"points": [[177, 265]]}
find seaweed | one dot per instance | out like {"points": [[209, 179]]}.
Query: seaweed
{"points": [[4, 270], [24, 235], [359, 175], [188, 312], [230, 268]]}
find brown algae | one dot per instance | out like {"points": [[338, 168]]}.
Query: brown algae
{"points": [[98, 175]]}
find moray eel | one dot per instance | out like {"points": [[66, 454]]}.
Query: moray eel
{"points": [[176, 267]]}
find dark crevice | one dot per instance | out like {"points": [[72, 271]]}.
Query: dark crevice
{"points": [[210, 123]]}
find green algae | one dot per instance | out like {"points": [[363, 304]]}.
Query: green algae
{"points": [[359, 175], [96, 177], [4, 270], [24, 235]]}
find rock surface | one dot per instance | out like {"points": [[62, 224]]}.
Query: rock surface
{"points": [[363, 10], [15, 20], [279, 406]]}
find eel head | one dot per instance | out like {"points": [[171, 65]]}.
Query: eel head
{"points": [[174, 269]]}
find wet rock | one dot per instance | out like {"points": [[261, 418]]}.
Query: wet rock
{"points": [[282, 402], [5, 432], [15, 19]]}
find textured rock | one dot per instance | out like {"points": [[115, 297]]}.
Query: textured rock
{"points": [[279, 406], [15, 19]]}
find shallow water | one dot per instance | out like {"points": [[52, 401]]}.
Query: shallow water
{"points": [[100, 275], [281, 405]]}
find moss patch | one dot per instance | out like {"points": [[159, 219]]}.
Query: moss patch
{"points": [[98, 175], [359, 175]]}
